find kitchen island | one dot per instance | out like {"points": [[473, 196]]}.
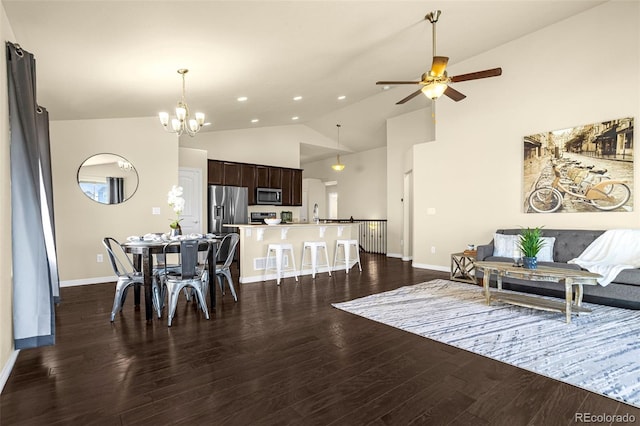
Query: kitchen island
{"points": [[254, 240]]}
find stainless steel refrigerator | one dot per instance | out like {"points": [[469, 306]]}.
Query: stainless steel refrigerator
{"points": [[227, 206]]}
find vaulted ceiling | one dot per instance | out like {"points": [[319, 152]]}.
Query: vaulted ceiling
{"points": [[108, 59]]}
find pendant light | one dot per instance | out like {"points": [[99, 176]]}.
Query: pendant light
{"points": [[338, 167]]}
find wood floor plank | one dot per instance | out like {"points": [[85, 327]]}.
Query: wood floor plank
{"points": [[281, 355]]}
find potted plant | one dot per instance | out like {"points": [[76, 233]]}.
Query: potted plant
{"points": [[530, 244]]}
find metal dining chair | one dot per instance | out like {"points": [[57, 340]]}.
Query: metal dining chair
{"points": [[188, 276], [223, 271], [127, 276]]}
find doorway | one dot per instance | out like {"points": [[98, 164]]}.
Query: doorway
{"points": [[190, 180]]}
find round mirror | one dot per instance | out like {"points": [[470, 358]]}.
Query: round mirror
{"points": [[107, 178]]}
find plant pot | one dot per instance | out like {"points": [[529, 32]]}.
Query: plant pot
{"points": [[176, 231], [530, 262]]}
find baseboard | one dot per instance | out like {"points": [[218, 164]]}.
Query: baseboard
{"points": [[398, 255], [407, 258], [6, 370], [85, 281], [433, 267]]}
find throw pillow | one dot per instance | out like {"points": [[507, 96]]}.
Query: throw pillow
{"points": [[546, 252], [506, 246]]}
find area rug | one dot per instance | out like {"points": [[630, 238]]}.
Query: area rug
{"points": [[599, 352]]}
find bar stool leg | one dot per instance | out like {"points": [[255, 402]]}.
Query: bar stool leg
{"points": [[293, 262], [314, 260], [347, 250], [358, 258], [326, 258], [278, 265]]}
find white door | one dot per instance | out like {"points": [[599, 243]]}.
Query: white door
{"points": [[191, 182]]}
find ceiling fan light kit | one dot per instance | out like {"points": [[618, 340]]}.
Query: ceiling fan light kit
{"points": [[183, 122], [436, 82]]}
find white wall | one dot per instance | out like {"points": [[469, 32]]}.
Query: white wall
{"points": [[361, 186], [272, 146], [7, 353], [403, 132], [81, 223], [582, 70]]}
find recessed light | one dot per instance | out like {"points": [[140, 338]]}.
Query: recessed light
{"points": [[386, 87], [295, 118], [242, 98], [342, 97], [297, 98], [255, 120]]}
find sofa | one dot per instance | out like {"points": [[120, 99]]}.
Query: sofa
{"points": [[623, 291]]}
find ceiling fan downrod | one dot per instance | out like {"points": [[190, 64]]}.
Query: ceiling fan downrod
{"points": [[433, 18]]}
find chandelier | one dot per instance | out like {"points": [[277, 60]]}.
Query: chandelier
{"points": [[338, 167], [182, 122]]}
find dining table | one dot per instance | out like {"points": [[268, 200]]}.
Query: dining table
{"points": [[143, 251]]}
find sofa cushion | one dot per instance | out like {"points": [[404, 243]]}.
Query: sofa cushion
{"points": [[546, 252], [629, 277], [506, 246]]}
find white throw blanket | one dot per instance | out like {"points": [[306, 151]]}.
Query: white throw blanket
{"points": [[610, 253]]}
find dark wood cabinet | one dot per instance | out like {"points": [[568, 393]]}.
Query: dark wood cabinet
{"points": [[232, 174], [215, 172], [262, 176], [275, 177], [296, 187], [252, 176], [286, 177], [249, 181]]}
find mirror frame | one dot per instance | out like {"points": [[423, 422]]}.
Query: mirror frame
{"points": [[101, 178]]}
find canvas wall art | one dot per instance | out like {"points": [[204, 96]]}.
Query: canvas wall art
{"points": [[587, 168]]}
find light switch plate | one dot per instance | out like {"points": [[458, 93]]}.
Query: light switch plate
{"points": [[155, 210]]}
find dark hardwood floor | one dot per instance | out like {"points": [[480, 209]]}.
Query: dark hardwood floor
{"points": [[281, 355]]}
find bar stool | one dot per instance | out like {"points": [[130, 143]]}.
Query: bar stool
{"points": [[346, 248], [278, 251], [314, 246]]}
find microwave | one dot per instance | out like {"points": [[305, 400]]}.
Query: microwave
{"points": [[269, 196]]}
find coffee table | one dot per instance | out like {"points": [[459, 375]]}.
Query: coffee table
{"points": [[573, 280]]}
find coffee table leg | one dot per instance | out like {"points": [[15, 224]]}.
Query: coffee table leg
{"points": [[486, 277], [579, 294], [568, 289]]}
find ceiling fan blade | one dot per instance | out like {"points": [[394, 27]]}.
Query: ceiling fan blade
{"points": [[408, 98], [454, 94], [391, 83], [494, 72], [438, 66]]}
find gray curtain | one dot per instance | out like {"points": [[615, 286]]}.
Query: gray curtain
{"points": [[116, 189], [35, 274]]}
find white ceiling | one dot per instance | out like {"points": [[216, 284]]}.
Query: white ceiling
{"points": [[111, 59]]}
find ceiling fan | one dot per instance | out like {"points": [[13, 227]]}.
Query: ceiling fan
{"points": [[436, 82]]}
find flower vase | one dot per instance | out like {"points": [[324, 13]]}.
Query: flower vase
{"points": [[176, 231], [530, 262]]}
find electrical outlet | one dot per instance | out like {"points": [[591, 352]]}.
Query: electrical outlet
{"points": [[99, 258], [433, 249]]}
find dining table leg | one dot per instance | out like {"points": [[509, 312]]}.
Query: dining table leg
{"points": [[137, 263], [147, 273], [212, 275]]}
